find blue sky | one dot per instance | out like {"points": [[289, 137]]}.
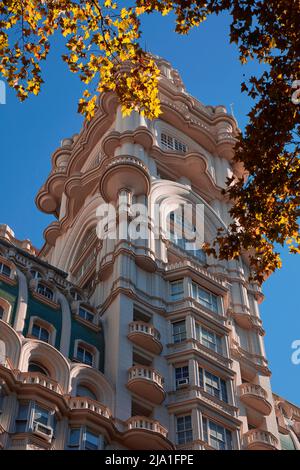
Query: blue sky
{"points": [[31, 131]]}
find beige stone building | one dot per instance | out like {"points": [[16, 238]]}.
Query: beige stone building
{"points": [[117, 341]]}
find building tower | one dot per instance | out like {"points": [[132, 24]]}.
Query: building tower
{"points": [[179, 360]]}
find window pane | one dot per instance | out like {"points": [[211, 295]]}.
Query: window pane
{"points": [[80, 354], [83, 313], [33, 367], [177, 290], [83, 391], [91, 441], [219, 344], [44, 335], [184, 429], [4, 269], [201, 382], [88, 359], [41, 415], [21, 420], [182, 373], [179, 332], [74, 437], [1, 313], [224, 391]]}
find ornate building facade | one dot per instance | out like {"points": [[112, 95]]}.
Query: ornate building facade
{"points": [[136, 342]]}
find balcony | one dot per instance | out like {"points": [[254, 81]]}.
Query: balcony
{"points": [[257, 439], [88, 404], [146, 336], [124, 171], [248, 321], [35, 378], [146, 434], [255, 397], [257, 361], [147, 383]]}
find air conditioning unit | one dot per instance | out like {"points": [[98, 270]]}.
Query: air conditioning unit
{"points": [[181, 383], [46, 432]]}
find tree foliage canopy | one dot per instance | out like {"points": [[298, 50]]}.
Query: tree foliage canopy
{"points": [[102, 36]]}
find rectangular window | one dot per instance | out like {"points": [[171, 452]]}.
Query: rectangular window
{"points": [[45, 291], [170, 143], [209, 338], [206, 298], [4, 269], [181, 376], [177, 290], [91, 441], [179, 332], [216, 436], [40, 332], [83, 439], [74, 438], [41, 415], [213, 384], [85, 356], [85, 314], [184, 429], [22, 417]]}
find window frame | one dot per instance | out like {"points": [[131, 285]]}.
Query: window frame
{"points": [[87, 313], [45, 325], [217, 338], [6, 266], [40, 284], [91, 349], [181, 373], [184, 431], [83, 431], [227, 434], [181, 334], [177, 295], [7, 309], [222, 387], [170, 142], [32, 406], [40, 333], [197, 288]]}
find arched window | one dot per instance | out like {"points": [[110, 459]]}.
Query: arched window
{"points": [[5, 270], [36, 367], [45, 291], [40, 332], [84, 391]]}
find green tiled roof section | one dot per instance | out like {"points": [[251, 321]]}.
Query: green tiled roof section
{"points": [[45, 312], [89, 336], [10, 293]]}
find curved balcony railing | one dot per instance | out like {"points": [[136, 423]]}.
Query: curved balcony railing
{"points": [[141, 422], [147, 373], [259, 439], [143, 327], [36, 378], [146, 382], [85, 403], [145, 335], [256, 397], [252, 389]]}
